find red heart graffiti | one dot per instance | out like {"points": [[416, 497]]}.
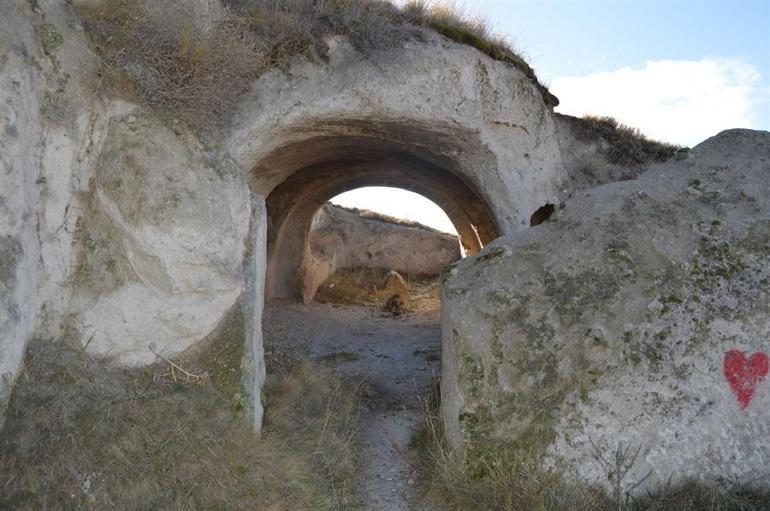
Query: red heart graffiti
{"points": [[743, 374]]}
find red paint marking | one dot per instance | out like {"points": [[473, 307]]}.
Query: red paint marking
{"points": [[743, 374]]}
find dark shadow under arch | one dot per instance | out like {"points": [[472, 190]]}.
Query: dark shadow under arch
{"points": [[328, 166]]}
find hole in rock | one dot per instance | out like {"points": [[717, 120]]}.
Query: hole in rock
{"points": [[542, 214]]}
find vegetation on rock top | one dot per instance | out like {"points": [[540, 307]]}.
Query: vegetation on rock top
{"points": [[156, 51], [627, 145], [368, 214]]}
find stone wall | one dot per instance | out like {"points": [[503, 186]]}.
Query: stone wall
{"points": [[636, 318]]}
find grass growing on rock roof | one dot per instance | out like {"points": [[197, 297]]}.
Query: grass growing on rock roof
{"points": [[627, 146], [376, 216], [158, 51], [448, 20]]}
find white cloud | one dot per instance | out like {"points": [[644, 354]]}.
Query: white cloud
{"points": [[679, 101]]}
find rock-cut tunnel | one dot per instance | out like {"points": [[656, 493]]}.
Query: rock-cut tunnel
{"points": [[321, 168]]}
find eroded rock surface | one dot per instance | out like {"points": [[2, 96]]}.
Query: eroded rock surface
{"points": [[163, 242], [636, 316], [341, 239], [611, 324]]}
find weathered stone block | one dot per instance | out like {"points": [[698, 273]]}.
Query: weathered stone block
{"points": [[638, 317]]}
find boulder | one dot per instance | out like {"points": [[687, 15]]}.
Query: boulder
{"points": [[636, 318], [394, 284]]}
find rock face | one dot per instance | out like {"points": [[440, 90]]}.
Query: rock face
{"points": [[19, 247], [104, 209], [638, 317], [163, 242], [342, 239]]}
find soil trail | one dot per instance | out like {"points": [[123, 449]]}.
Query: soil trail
{"points": [[398, 359]]}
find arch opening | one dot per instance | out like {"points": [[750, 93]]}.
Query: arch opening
{"points": [[354, 249], [314, 171]]}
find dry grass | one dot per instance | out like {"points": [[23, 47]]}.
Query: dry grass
{"points": [[450, 21], [362, 286], [154, 50], [499, 478], [177, 69], [504, 478], [82, 434], [628, 146]]}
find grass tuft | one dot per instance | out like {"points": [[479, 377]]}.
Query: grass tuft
{"points": [[83, 434], [628, 146], [449, 20], [514, 479], [493, 478]]}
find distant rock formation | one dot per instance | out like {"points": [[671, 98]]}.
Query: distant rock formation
{"points": [[340, 238]]}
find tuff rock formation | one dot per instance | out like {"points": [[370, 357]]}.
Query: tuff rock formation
{"points": [[127, 232], [637, 317], [341, 239]]}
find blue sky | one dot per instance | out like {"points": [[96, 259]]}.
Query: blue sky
{"points": [[568, 38], [712, 57], [680, 71]]}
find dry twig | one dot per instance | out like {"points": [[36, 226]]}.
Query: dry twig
{"points": [[198, 379]]}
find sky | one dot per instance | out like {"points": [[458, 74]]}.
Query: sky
{"points": [[679, 70]]}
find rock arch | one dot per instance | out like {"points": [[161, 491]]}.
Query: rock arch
{"points": [[327, 166]]}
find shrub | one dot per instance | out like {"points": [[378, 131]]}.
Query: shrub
{"points": [[628, 146]]}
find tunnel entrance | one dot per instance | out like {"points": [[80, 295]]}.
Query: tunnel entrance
{"points": [[326, 167], [398, 356], [362, 262]]}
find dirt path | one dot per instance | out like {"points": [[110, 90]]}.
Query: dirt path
{"points": [[398, 358]]}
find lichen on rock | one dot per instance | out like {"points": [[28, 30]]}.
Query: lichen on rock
{"points": [[608, 327]]}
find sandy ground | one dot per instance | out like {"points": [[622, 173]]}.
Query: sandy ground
{"points": [[397, 358]]}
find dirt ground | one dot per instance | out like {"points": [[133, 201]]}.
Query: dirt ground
{"points": [[397, 360]]}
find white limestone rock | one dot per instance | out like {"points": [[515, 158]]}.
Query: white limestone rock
{"points": [[610, 325], [162, 242]]}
